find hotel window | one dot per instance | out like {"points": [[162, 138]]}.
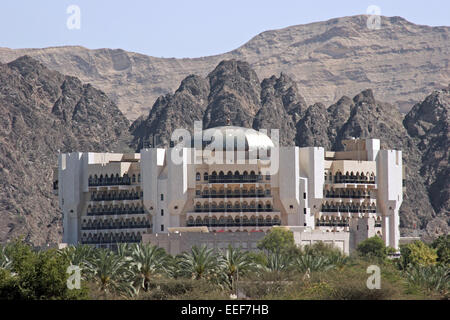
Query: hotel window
{"points": [[205, 176], [267, 177], [162, 212], [162, 227], [139, 177], [134, 178], [304, 210], [197, 192], [197, 176], [162, 197], [304, 195]]}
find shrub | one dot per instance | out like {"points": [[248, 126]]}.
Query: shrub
{"points": [[36, 275], [181, 289], [372, 248], [442, 246], [278, 240], [417, 253], [429, 277]]}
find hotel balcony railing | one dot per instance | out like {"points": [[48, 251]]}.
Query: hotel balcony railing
{"points": [[352, 180], [119, 198], [110, 241], [112, 213], [233, 179], [130, 226], [234, 195], [331, 224], [212, 210], [234, 224], [344, 210], [346, 196], [113, 182]]}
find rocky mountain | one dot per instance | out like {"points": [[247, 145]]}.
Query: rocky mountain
{"points": [[232, 93], [402, 62], [43, 112], [428, 124]]}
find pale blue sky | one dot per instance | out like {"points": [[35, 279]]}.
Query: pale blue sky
{"points": [[189, 28]]}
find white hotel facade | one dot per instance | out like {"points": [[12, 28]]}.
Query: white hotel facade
{"points": [[179, 197]]}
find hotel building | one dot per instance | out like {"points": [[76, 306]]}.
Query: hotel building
{"points": [[176, 197]]}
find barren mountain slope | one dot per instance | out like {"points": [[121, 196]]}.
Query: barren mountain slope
{"points": [[43, 111], [401, 62]]}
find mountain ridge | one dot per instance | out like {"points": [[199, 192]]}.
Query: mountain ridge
{"points": [[401, 62]]}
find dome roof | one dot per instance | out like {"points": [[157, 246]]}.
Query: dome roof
{"points": [[231, 135]]}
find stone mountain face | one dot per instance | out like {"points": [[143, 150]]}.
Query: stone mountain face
{"points": [[231, 93], [402, 62], [235, 93], [428, 124], [43, 111]]}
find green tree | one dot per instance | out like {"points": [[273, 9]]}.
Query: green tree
{"points": [[78, 255], [236, 262], [372, 248], [277, 262], [200, 263], [442, 246], [417, 253], [36, 275], [148, 261], [311, 263], [112, 273], [278, 240]]}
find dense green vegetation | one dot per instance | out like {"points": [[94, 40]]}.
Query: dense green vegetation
{"points": [[278, 271]]}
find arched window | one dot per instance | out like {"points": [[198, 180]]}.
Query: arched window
{"points": [[197, 176], [205, 176]]}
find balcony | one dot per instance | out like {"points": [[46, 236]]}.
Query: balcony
{"points": [[113, 227], [234, 195], [351, 179], [116, 198], [113, 213], [347, 196], [232, 224], [113, 182], [239, 210], [233, 179], [325, 223], [108, 241], [348, 210]]}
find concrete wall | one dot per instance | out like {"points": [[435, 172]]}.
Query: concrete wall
{"points": [[176, 243]]}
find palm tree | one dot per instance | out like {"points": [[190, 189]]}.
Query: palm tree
{"points": [[5, 260], [431, 277], [148, 260], [78, 255], [235, 262], [309, 262], [200, 263], [277, 262], [111, 272]]}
